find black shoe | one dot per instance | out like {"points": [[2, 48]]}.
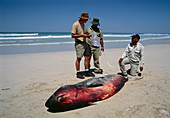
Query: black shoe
{"points": [[79, 75], [89, 74], [98, 71], [120, 74], [126, 78]]}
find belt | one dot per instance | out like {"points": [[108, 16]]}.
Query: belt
{"points": [[95, 46], [78, 41]]}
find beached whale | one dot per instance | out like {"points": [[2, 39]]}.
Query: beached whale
{"points": [[82, 94]]}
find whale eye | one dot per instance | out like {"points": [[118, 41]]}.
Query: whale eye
{"points": [[60, 99]]}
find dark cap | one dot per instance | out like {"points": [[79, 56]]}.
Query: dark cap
{"points": [[95, 21], [135, 36]]}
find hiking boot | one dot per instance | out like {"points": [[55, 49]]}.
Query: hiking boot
{"points": [[98, 71], [120, 74], [79, 75], [126, 78], [89, 74]]}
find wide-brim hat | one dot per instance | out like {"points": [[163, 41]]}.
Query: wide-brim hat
{"points": [[84, 16], [95, 21]]}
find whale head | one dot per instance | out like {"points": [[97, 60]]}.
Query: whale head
{"points": [[62, 97]]}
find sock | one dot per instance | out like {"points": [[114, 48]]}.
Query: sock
{"points": [[86, 69], [78, 71]]}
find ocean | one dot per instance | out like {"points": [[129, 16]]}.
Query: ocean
{"points": [[38, 42]]}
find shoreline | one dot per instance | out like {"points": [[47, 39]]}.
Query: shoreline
{"points": [[28, 80], [67, 47]]}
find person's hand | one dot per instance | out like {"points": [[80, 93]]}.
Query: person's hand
{"points": [[102, 49], [120, 60], [86, 36], [141, 68]]}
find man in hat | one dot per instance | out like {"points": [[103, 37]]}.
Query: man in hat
{"points": [[82, 48], [95, 42], [133, 55]]}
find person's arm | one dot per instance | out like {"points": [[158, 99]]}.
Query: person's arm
{"points": [[101, 40], [142, 58], [79, 35], [125, 52], [101, 43], [124, 55]]}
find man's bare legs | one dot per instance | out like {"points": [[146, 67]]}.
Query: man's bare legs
{"points": [[86, 64], [79, 75], [78, 64]]}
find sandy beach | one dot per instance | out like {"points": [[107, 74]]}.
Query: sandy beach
{"points": [[28, 80]]}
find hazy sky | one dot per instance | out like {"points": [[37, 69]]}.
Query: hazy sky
{"points": [[119, 16]]}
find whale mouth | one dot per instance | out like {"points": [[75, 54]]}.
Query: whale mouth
{"points": [[48, 103]]}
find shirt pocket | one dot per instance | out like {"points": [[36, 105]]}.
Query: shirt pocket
{"points": [[137, 52], [130, 49]]}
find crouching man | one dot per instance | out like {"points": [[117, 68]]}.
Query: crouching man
{"points": [[133, 55]]}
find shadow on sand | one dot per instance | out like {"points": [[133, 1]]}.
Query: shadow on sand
{"points": [[55, 110]]}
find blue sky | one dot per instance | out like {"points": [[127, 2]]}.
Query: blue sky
{"points": [[119, 16]]}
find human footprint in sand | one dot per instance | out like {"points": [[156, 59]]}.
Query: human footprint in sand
{"points": [[133, 55]]}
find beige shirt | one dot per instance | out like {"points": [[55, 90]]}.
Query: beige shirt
{"points": [[78, 28]]}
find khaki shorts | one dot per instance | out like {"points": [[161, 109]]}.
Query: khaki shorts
{"points": [[82, 49]]}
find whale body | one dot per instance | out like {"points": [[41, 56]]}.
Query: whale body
{"points": [[84, 93]]}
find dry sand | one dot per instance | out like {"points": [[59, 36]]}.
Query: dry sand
{"points": [[28, 80]]}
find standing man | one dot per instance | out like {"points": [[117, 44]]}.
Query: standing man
{"points": [[95, 42], [133, 55], [82, 48]]}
